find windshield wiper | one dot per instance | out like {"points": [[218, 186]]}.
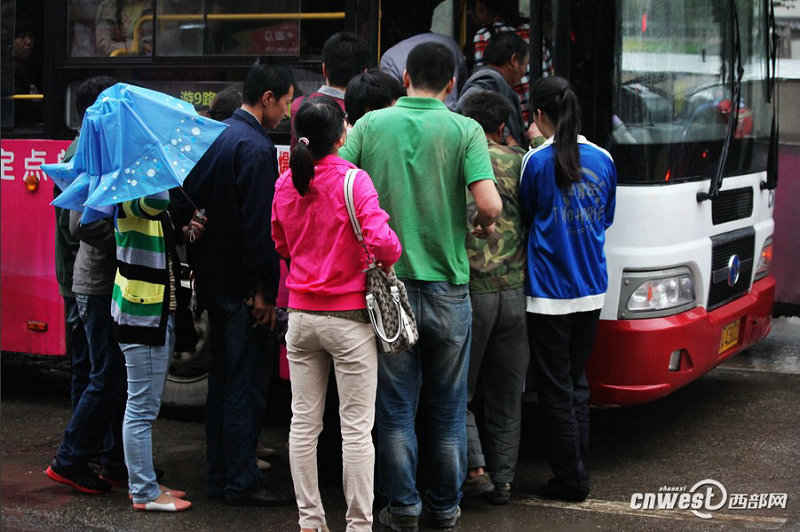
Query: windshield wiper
{"points": [[736, 100]]}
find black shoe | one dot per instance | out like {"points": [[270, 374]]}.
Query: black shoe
{"points": [[80, 478], [450, 522], [500, 495], [556, 490], [261, 496], [116, 475], [398, 523], [480, 485]]}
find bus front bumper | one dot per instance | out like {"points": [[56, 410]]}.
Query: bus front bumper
{"points": [[635, 361]]}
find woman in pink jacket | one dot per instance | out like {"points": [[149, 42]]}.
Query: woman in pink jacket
{"points": [[327, 306]]}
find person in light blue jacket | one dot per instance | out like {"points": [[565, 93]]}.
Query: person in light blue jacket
{"points": [[567, 197]]}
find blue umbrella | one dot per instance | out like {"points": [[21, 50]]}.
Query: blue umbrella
{"points": [[134, 142]]}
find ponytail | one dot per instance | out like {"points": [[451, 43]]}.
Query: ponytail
{"points": [[568, 126], [319, 123], [554, 96], [301, 163]]}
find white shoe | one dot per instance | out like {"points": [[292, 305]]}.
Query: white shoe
{"points": [[177, 505], [262, 465]]}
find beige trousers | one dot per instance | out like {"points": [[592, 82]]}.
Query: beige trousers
{"points": [[312, 342]]}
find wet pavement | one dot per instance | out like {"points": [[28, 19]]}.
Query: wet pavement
{"points": [[738, 426]]}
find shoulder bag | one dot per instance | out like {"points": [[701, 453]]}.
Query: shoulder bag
{"points": [[387, 301]]}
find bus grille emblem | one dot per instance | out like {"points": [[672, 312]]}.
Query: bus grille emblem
{"points": [[734, 268]]}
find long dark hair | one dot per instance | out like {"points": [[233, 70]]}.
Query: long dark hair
{"points": [[555, 97], [320, 121]]}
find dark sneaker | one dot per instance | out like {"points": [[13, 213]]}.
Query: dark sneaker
{"points": [[500, 495], [559, 491], [116, 475], [450, 522], [398, 523], [78, 478], [261, 496], [480, 485]]}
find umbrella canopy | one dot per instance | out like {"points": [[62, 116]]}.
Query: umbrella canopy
{"points": [[134, 142]]}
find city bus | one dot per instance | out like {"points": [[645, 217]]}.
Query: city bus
{"points": [[682, 94]]}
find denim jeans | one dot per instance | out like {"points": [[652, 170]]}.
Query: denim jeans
{"points": [[78, 349], [96, 422], [561, 346], [237, 397], [435, 372], [147, 374], [498, 364]]}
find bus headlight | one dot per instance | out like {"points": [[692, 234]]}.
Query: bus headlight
{"points": [[764, 260], [656, 293]]}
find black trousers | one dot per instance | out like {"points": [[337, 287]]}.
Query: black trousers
{"points": [[561, 345]]}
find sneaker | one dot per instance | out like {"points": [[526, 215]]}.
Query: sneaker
{"points": [[500, 495], [78, 478], [450, 522], [262, 465], [398, 523], [480, 485], [115, 475], [261, 496]]}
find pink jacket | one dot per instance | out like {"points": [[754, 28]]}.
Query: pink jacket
{"points": [[314, 232]]}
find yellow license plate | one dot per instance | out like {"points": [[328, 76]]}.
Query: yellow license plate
{"points": [[729, 336]]}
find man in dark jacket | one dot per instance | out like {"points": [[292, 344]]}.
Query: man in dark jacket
{"points": [[237, 281], [506, 59]]}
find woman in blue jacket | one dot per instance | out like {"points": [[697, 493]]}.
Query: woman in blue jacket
{"points": [[567, 195]]}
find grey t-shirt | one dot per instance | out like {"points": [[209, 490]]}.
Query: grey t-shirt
{"points": [[394, 60]]}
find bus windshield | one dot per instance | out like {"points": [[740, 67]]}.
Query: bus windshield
{"points": [[672, 93]]}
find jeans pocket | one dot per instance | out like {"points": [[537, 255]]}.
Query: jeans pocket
{"points": [[294, 328]]}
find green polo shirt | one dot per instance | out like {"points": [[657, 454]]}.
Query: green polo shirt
{"points": [[420, 156]]}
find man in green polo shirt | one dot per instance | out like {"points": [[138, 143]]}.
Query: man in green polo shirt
{"points": [[421, 156]]}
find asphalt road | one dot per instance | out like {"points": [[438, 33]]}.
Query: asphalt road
{"points": [[738, 426]]}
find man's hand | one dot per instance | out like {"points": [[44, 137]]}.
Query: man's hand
{"points": [[263, 312], [196, 228]]}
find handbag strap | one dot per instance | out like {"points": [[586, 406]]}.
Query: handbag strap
{"points": [[349, 181]]}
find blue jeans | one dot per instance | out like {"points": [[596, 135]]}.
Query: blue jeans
{"points": [[78, 350], [435, 371], [237, 398], [96, 422], [147, 374]]}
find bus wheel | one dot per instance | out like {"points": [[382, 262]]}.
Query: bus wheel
{"points": [[187, 380]]}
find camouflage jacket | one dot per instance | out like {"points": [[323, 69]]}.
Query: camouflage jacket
{"points": [[498, 263]]}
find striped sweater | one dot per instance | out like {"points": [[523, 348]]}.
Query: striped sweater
{"points": [[140, 301]]}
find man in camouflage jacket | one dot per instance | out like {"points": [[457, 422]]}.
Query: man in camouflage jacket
{"points": [[499, 355]]}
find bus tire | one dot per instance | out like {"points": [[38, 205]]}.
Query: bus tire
{"points": [[187, 380]]}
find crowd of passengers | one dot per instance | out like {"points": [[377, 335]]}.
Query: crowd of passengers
{"points": [[495, 226]]}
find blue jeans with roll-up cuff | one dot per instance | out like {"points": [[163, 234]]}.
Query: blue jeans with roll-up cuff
{"points": [[147, 366], [95, 425], [434, 371]]}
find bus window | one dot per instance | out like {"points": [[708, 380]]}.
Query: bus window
{"points": [[673, 99], [22, 70], [124, 27]]}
